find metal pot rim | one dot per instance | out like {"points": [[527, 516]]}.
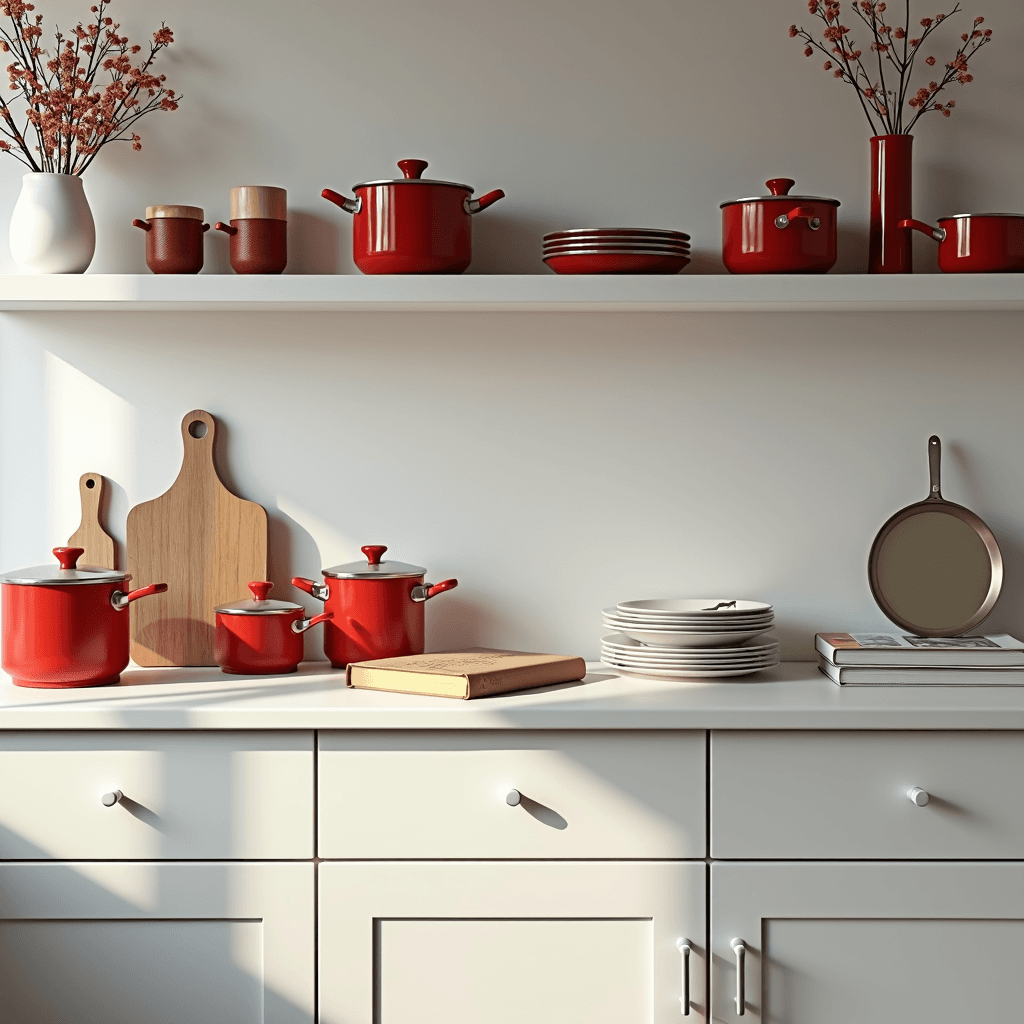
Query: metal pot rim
{"points": [[411, 181], [781, 199]]}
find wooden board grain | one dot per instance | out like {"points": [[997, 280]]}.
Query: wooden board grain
{"points": [[97, 544], [201, 540]]}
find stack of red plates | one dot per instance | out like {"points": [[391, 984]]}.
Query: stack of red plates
{"points": [[617, 251]]}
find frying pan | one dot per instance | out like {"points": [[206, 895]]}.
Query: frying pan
{"points": [[935, 569]]}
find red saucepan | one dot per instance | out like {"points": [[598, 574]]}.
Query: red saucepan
{"points": [[412, 225], [67, 626], [780, 233], [260, 636], [377, 606], [977, 243]]}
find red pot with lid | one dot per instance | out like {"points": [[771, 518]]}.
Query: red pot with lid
{"points": [[261, 636], [412, 225], [779, 233], [67, 625], [377, 607], [977, 243]]}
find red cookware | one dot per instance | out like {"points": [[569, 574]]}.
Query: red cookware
{"points": [[377, 606], [67, 626], [412, 225], [977, 243], [174, 239], [258, 229], [780, 233], [612, 261], [261, 637]]}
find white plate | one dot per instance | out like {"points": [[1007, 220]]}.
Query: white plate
{"points": [[663, 639], [704, 621], [687, 663], [693, 606], [618, 642], [686, 674], [687, 627], [707, 656]]}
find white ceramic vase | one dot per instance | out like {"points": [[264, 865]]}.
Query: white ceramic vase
{"points": [[52, 230]]}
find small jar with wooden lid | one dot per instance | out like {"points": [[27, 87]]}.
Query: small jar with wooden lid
{"points": [[258, 229], [174, 239]]}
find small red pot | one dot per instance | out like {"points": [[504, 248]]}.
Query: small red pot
{"points": [[976, 243], [261, 637], [67, 627], [377, 606], [412, 225], [780, 233], [258, 229], [174, 239]]}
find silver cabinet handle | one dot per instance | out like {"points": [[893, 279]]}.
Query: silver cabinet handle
{"points": [[918, 796], [513, 797], [684, 1000], [109, 799], [741, 988]]}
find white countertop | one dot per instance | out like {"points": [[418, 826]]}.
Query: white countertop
{"points": [[792, 696]]}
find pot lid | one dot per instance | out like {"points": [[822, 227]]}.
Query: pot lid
{"points": [[779, 188], [174, 213], [412, 169], [965, 216], [373, 568], [67, 572], [261, 605]]}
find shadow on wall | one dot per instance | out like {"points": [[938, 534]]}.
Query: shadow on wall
{"points": [[313, 244]]}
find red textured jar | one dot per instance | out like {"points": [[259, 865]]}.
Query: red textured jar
{"points": [[258, 229], [174, 239]]}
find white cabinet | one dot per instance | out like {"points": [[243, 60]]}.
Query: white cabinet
{"points": [[507, 942], [100, 943], [845, 943]]}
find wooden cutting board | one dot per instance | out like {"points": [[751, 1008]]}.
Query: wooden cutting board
{"points": [[201, 540], [96, 542]]}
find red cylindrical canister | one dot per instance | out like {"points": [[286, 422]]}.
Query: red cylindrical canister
{"points": [[174, 239], [258, 229]]}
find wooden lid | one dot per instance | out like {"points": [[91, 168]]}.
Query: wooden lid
{"points": [[263, 202], [188, 212]]}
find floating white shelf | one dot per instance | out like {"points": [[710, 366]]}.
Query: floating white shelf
{"points": [[521, 293]]}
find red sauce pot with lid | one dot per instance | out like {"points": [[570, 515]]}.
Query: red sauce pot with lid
{"points": [[779, 233], [260, 636], [412, 225], [67, 625], [977, 243], [377, 606]]}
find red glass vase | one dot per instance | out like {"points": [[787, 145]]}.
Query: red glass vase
{"points": [[890, 249]]}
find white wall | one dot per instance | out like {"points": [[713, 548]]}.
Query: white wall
{"points": [[553, 463]]}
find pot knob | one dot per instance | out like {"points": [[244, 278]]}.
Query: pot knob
{"points": [[374, 552], [68, 557], [260, 589], [412, 168], [780, 186]]}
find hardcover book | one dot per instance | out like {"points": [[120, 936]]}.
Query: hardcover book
{"points": [[920, 675], [899, 649], [478, 672]]}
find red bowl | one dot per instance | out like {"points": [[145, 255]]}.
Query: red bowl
{"points": [[632, 232], [616, 263], [560, 249]]}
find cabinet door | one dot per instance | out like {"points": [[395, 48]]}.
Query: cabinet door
{"points": [[98, 943], [882, 942], [505, 942]]}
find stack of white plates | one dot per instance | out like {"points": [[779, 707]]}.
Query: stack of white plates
{"points": [[689, 638]]}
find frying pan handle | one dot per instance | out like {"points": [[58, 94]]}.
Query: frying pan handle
{"points": [[934, 458]]}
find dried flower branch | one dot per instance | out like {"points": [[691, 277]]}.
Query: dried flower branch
{"points": [[69, 115], [892, 47]]}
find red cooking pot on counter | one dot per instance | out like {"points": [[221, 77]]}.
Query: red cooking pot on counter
{"points": [[260, 636], [412, 225], [977, 243], [779, 233], [377, 607], [67, 626]]}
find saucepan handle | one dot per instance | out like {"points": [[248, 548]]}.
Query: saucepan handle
{"points": [[318, 590], [121, 600], [429, 590], [348, 205], [939, 234], [476, 205], [806, 213], [228, 229], [934, 459], [144, 224], [301, 625]]}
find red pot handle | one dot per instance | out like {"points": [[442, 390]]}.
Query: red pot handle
{"points": [[68, 557], [806, 213], [476, 205], [939, 234], [429, 590], [206, 227], [348, 205], [120, 600], [144, 224], [228, 229], [301, 625], [318, 590]]}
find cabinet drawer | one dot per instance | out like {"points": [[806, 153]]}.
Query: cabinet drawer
{"points": [[443, 794], [822, 795], [185, 795]]}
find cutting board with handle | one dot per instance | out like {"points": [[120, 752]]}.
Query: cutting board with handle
{"points": [[201, 540], [95, 542]]}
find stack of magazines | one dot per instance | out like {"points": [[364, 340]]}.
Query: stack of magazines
{"points": [[896, 659]]}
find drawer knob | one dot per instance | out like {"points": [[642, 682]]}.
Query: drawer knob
{"points": [[513, 797], [109, 799], [918, 796]]}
